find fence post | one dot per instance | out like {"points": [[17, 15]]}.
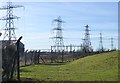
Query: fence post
{"points": [[25, 57], [39, 55], [31, 53], [18, 58], [62, 55], [51, 54]]}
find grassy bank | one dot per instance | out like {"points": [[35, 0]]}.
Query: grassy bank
{"points": [[99, 67]]}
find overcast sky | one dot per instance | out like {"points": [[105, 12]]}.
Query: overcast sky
{"points": [[35, 24]]}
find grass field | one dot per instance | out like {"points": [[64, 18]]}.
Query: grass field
{"points": [[99, 67]]}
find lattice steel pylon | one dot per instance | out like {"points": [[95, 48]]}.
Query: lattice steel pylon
{"points": [[9, 54], [58, 34], [9, 18], [86, 41], [111, 43], [101, 43]]}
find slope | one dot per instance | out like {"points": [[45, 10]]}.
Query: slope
{"points": [[99, 67]]}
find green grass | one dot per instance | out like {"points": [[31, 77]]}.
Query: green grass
{"points": [[99, 67]]}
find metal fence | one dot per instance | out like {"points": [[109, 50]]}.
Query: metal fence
{"points": [[43, 57]]}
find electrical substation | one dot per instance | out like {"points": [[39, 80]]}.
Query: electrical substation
{"points": [[14, 54]]}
